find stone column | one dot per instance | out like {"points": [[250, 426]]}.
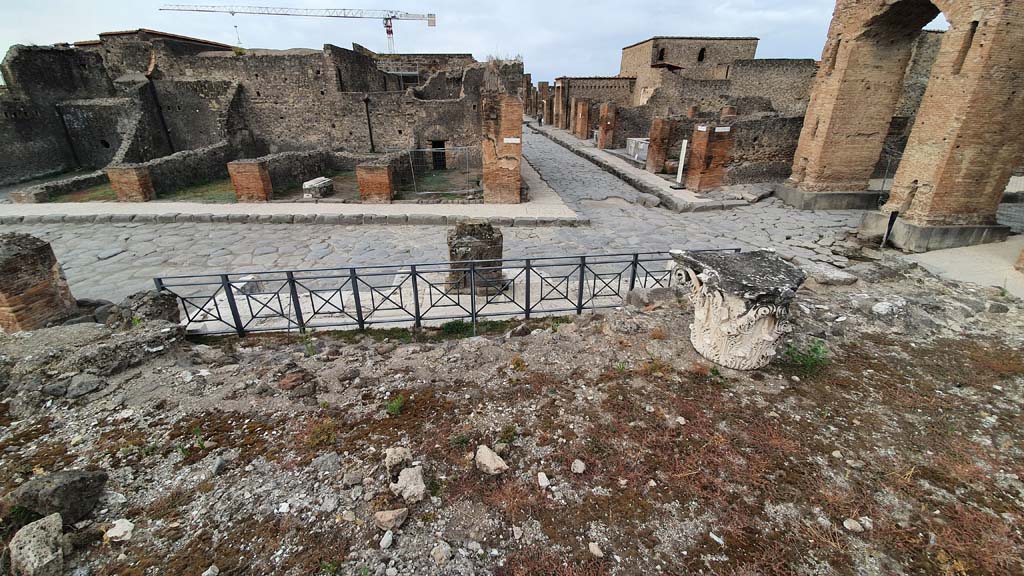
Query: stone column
{"points": [[740, 303], [375, 182], [502, 148], [33, 290], [131, 183], [251, 180], [661, 138], [572, 115], [582, 119], [606, 126], [710, 151], [475, 240], [557, 105]]}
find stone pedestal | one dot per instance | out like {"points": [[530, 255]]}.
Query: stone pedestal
{"points": [[33, 290], [914, 238], [317, 188], [376, 183], [251, 180], [740, 303], [710, 152], [479, 241]]}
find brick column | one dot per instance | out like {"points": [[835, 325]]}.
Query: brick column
{"points": [[710, 150], [582, 119], [502, 148], [376, 183], [557, 105], [251, 180], [33, 290], [661, 138], [543, 97], [606, 126], [572, 114], [131, 183]]}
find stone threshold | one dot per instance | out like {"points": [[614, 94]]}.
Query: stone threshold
{"points": [[333, 219], [647, 183]]}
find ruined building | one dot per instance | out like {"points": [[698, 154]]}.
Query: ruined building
{"points": [[187, 107]]}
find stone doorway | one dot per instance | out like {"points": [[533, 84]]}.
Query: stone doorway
{"points": [[438, 159]]}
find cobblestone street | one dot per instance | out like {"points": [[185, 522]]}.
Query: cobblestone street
{"points": [[113, 260]]}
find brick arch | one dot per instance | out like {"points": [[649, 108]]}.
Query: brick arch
{"points": [[966, 138]]}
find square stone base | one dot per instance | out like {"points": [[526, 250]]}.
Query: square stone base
{"points": [[914, 238], [856, 200]]}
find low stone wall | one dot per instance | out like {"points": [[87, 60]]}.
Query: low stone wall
{"points": [[174, 172], [256, 179], [43, 192]]}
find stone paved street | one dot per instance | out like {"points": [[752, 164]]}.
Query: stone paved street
{"points": [[113, 260]]}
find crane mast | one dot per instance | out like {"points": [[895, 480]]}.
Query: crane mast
{"points": [[387, 16]]}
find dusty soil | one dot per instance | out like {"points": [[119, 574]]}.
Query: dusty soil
{"points": [[884, 440]]}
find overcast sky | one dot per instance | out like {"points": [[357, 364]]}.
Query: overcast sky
{"points": [[554, 38]]}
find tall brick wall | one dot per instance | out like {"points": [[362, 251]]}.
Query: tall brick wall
{"points": [[710, 152], [502, 119], [33, 290], [966, 139]]}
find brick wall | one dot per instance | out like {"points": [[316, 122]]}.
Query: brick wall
{"points": [[376, 183], [33, 290], [661, 139], [251, 180], [502, 120], [606, 126], [709, 155], [582, 128], [131, 183]]}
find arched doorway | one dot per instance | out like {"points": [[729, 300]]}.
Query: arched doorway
{"points": [[966, 139]]}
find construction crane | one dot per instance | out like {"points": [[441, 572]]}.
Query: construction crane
{"points": [[388, 16]]}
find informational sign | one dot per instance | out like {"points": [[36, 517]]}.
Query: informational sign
{"points": [[513, 140], [682, 161]]}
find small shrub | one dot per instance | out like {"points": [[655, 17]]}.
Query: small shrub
{"points": [[810, 359], [508, 434], [457, 329], [700, 369], [322, 433], [659, 333], [518, 364], [459, 440], [238, 50], [395, 405], [654, 366], [620, 367]]}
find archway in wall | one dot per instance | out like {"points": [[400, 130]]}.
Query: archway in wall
{"points": [[966, 138]]}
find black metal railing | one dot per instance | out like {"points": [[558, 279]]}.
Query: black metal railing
{"points": [[417, 294]]}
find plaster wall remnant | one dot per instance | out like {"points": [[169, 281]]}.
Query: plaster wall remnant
{"points": [[959, 156], [475, 240], [33, 289], [740, 304]]}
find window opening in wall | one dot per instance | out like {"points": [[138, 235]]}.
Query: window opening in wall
{"points": [[661, 54], [835, 54], [438, 155], [257, 93], [702, 54], [965, 49]]}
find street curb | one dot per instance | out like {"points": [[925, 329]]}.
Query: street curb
{"points": [[332, 219]]}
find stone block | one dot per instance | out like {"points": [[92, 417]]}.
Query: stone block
{"points": [[131, 183], [33, 290], [480, 242], [317, 188], [660, 139], [251, 180], [710, 152]]}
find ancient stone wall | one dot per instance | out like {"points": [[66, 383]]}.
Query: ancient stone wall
{"points": [[96, 128], [186, 168], [425, 64], [33, 290], [762, 149], [195, 111], [32, 141]]}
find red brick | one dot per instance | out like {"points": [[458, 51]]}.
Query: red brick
{"points": [[606, 126], [661, 139], [502, 148], [376, 183], [33, 290], [131, 183], [251, 180], [710, 151]]}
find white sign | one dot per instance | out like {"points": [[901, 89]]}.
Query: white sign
{"points": [[682, 161], [723, 129], [702, 128], [513, 140]]}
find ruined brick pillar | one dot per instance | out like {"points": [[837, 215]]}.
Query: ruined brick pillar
{"points": [[524, 93], [710, 151], [543, 105], [582, 130], [606, 126], [557, 105], [573, 102], [131, 183], [251, 180], [33, 290], [502, 147], [728, 112], [692, 112], [375, 182], [1020, 262], [661, 139]]}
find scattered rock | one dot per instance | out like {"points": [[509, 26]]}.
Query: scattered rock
{"points": [[348, 375], [82, 384], [488, 462], [997, 308], [886, 308], [70, 493], [293, 380], [36, 549], [387, 540], [396, 456], [218, 466], [212, 571], [826, 274], [542, 480], [441, 553], [151, 305], [352, 479], [121, 531], [578, 466], [390, 519], [853, 525], [329, 462], [520, 331], [410, 485], [595, 550]]}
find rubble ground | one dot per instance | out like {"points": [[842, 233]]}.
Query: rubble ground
{"points": [[885, 439]]}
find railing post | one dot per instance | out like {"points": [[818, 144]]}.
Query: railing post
{"points": [[472, 294], [632, 271], [415, 298], [527, 289], [579, 289], [159, 283], [354, 281], [226, 286], [295, 302]]}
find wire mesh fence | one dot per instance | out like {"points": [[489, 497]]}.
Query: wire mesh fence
{"points": [[440, 171]]}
